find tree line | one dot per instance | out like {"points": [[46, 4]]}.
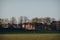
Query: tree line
{"points": [[46, 23]]}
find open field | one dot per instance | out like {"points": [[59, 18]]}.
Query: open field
{"points": [[29, 36]]}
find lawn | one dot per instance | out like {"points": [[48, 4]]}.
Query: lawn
{"points": [[29, 36]]}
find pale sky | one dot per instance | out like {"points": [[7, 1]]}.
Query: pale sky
{"points": [[30, 8]]}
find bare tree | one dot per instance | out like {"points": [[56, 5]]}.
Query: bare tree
{"points": [[25, 19], [35, 20], [21, 19], [20, 22], [0, 23], [14, 22], [52, 19]]}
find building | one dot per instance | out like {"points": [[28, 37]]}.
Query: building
{"points": [[5, 23], [57, 24], [28, 26]]}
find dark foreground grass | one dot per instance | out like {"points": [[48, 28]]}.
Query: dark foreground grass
{"points": [[29, 36]]}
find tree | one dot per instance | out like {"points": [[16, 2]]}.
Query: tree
{"points": [[0, 23], [25, 19], [20, 21], [35, 20], [13, 22]]}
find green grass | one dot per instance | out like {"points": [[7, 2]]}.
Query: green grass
{"points": [[29, 36]]}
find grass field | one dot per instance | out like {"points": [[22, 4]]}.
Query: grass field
{"points": [[29, 36]]}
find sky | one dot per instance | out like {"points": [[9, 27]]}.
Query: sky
{"points": [[30, 8]]}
